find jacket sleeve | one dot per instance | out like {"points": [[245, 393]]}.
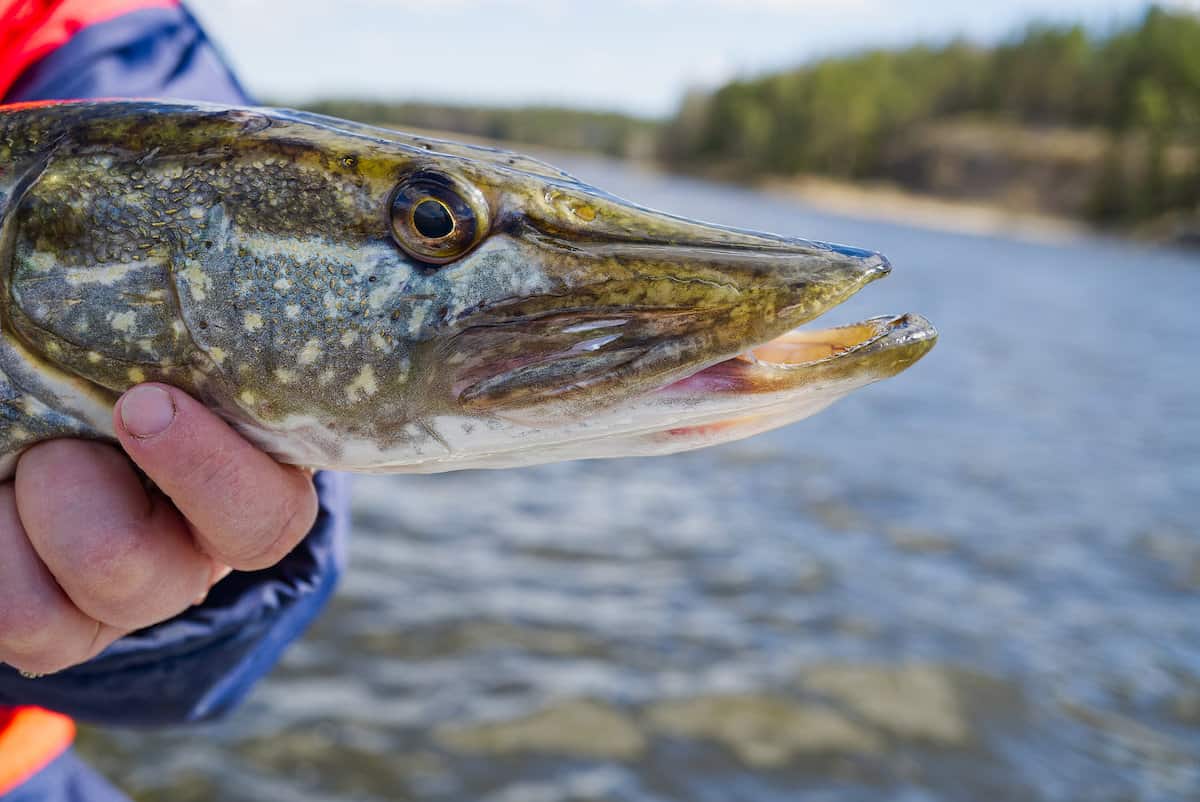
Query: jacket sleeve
{"points": [[202, 662], [157, 51]]}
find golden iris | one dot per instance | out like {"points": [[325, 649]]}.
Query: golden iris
{"points": [[437, 218]]}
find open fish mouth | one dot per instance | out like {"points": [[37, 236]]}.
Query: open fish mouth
{"points": [[793, 376], [789, 360]]}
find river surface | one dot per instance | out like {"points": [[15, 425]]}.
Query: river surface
{"points": [[977, 581]]}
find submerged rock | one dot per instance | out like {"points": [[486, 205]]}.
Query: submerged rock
{"points": [[763, 730], [917, 702], [576, 728]]}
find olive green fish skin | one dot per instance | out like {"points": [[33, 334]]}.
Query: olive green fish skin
{"points": [[249, 256]]}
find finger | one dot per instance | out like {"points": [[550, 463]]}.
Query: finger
{"points": [[246, 510], [123, 556], [41, 631]]}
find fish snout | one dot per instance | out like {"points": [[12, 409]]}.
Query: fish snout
{"points": [[774, 277]]}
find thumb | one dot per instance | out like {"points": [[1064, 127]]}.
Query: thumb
{"points": [[245, 509]]}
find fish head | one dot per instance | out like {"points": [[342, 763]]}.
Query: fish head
{"points": [[545, 319]]}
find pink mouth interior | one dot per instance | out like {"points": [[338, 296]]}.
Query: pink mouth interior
{"points": [[801, 347], [792, 350]]}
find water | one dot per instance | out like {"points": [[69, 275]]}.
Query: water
{"points": [[979, 580]]}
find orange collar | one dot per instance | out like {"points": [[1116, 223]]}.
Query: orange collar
{"points": [[30, 738], [32, 29]]}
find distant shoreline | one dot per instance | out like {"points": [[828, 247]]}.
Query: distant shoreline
{"points": [[894, 205]]}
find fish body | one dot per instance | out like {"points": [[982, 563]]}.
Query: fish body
{"points": [[357, 298]]}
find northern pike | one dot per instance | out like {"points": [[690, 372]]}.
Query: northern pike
{"points": [[356, 298]]}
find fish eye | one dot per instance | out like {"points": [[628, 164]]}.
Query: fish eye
{"points": [[436, 218]]}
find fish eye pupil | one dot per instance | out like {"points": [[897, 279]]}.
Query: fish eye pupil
{"points": [[432, 219]]}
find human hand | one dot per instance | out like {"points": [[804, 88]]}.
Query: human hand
{"points": [[87, 554]]}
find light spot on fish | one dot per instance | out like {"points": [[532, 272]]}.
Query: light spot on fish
{"points": [[349, 338], [282, 284], [310, 353], [292, 311], [33, 407], [326, 376], [137, 375], [122, 321], [94, 357], [248, 398], [217, 354], [417, 318], [302, 250], [53, 348], [285, 376], [197, 280], [363, 386], [379, 343], [107, 275], [42, 261], [253, 321], [52, 181], [19, 433]]}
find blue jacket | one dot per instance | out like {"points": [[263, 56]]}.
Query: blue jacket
{"points": [[203, 662]]}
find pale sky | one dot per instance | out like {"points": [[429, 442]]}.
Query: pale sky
{"points": [[629, 55]]}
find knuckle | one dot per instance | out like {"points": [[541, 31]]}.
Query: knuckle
{"points": [[101, 556], [41, 663], [211, 472], [32, 666], [301, 523], [30, 641], [104, 575], [270, 539], [297, 514], [45, 452], [25, 628]]}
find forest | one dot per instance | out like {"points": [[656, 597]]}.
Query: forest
{"points": [[1104, 126]]}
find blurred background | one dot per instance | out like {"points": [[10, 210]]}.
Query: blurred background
{"points": [[977, 581]]}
